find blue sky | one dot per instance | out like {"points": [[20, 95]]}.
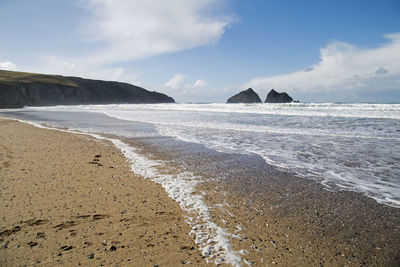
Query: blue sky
{"points": [[208, 50]]}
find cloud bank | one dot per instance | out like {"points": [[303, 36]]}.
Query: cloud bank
{"points": [[187, 89], [343, 68], [134, 29], [114, 32], [7, 65], [176, 82]]}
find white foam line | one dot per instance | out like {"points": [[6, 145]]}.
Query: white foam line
{"points": [[210, 238], [260, 129], [379, 111]]}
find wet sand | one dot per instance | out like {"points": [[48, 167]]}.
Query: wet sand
{"points": [[73, 200], [276, 218], [305, 226]]}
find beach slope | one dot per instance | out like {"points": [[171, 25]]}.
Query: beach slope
{"points": [[71, 199]]}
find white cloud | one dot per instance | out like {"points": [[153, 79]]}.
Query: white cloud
{"points": [[7, 65], [127, 30], [57, 65], [343, 67], [200, 83], [176, 82], [193, 90], [134, 29]]}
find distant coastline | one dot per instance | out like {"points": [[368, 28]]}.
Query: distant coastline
{"points": [[19, 89]]}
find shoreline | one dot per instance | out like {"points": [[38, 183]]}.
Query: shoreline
{"points": [[279, 219], [73, 199]]}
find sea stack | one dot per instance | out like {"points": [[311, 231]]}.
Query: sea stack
{"points": [[246, 96], [275, 97]]}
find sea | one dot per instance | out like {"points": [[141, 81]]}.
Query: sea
{"points": [[342, 146]]}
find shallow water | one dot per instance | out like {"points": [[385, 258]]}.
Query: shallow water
{"points": [[353, 147], [233, 143]]}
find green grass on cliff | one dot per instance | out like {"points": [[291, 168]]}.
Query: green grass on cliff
{"points": [[11, 77]]}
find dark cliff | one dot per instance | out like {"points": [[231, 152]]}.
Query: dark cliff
{"points": [[247, 96], [18, 89], [275, 97]]}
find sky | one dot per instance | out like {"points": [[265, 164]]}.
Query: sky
{"points": [[209, 50]]}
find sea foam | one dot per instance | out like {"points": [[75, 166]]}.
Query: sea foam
{"points": [[353, 147]]}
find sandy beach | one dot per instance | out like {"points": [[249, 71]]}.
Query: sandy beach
{"points": [[72, 200]]}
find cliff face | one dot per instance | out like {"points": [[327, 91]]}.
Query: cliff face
{"points": [[247, 96], [18, 89]]}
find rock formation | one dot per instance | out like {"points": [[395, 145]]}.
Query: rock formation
{"points": [[275, 97], [246, 96], [19, 89]]}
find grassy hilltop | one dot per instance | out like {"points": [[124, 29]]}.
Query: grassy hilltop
{"points": [[12, 77], [18, 89]]}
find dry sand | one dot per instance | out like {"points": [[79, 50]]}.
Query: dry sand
{"points": [[72, 200]]}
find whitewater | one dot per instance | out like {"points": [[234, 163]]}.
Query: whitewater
{"points": [[353, 147]]}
